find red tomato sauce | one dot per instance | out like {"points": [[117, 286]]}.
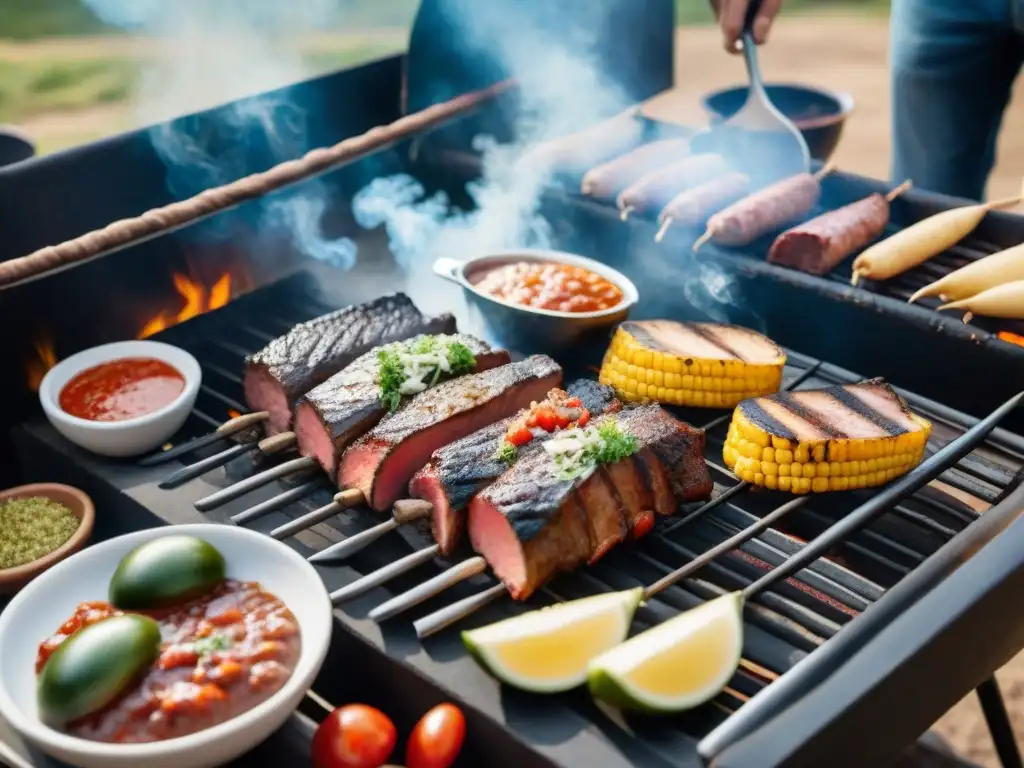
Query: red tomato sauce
{"points": [[551, 286], [222, 654], [122, 389]]}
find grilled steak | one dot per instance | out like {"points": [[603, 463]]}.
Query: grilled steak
{"points": [[311, 352], [332, 415], [381, 463], [460, 469], [530, 524]]}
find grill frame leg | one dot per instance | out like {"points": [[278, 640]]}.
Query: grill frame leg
{"points": [[999, 727]]}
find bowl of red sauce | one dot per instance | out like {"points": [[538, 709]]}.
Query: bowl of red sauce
{"points": [[230, 663], [121, 399], [540, 300]]}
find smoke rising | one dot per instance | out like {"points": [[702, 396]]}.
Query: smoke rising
{"points": [[206, 54], [213, 52], [562, 89]]}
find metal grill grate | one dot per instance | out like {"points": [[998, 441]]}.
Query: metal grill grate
{"points": [[838, 189], [782, 626]]}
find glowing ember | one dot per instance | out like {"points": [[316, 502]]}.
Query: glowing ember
{"points": [[43, 359], [197, 300], [1012, 338], [233, 414]]}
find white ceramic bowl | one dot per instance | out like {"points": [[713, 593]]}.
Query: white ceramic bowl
{"points": [[131, 437], [39, 609], [528, 328]]}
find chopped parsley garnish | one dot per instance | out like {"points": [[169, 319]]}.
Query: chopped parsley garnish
{"points": [[507, 452], [577, 451], [391, 377], [205, 646], [408, 368]]}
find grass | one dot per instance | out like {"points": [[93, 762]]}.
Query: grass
{"points": [[32, 87], [38, 84], [30, 19]]}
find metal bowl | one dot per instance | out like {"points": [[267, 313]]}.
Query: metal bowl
{"points": [[819, 114], [529, 329]]}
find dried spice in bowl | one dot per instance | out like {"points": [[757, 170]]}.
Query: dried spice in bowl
{"points": [[33, 527]]}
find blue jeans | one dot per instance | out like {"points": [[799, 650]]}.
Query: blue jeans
{"points": [[953, 65]]}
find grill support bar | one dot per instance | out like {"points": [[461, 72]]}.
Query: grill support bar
{"points": [[898, 489], [999, 727], [915, 628]]}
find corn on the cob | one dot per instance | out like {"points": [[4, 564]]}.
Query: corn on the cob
{"points": [[835, 439], [706, 365]]}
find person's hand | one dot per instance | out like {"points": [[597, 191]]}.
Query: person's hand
{"points": [[731, 13]]}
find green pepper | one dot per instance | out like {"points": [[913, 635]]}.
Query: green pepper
{"points": [[94, 666], [165, 572]]}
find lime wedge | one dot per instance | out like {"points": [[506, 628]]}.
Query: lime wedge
{"points": [[676, 665], [547, 651]]}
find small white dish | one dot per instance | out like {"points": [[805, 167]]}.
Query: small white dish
{"points": [[131, 437], [39, 609]]}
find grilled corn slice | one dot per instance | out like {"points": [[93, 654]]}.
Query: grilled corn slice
{"points": [[835, 439], [706, 365]]}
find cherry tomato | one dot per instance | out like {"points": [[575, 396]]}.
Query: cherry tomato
{"points": [[548, 419], [583, 419], [518, 435], [437, 738], [643, 524], [354, 736]]}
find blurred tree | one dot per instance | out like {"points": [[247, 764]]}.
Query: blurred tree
{"points": [[25, 19]]}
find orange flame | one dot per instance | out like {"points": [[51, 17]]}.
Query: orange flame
{"points": [[232, 413], [197, 301], [43, 359], [1012, 338]]}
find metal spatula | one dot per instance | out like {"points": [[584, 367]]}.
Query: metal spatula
{"points": [[758, 140]]}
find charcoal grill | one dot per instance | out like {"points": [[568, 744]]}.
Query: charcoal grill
{"points": [[848, 641]]}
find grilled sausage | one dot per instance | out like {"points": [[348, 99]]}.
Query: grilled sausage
{"points": [[758, 214], [580, 151], [608, 180], [692, 207], [652, 191], [819, 245]]}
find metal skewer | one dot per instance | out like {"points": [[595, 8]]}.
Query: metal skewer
{"points": [[447, 616], [275, 503], [915, 479], [191, 471], [342, 500], [383, 575], [222, 432], [457, 573], [258, 480], [268, 446], [404, 511], [429, 588]]}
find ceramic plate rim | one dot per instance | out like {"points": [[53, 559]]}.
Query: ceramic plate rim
{"points": [[314, 650]]}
